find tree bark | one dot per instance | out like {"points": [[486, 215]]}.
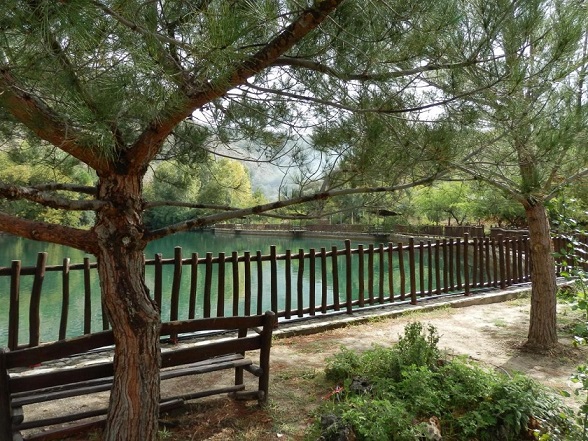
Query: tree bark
{"points": [[135, 319], [543, 323]]}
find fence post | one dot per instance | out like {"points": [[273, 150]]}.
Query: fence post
{"points": [[324, 290], [193, 285], [247, 265], [235, 276], [312, 282], [412, 269], [445, 266], [348, 278], [13, 320], [466, 263], [207, 285], [458, 263], [437, 267], [65, 299], [371, 273], [220, 298], [259, 282], [175, 291], [502, 262], [158, 288], [34, 310], [422, 268], [288, 275], [391, 271], [451, 265], [274, 279]]}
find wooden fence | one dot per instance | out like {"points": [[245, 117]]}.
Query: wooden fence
{"points": [[313, 282]]}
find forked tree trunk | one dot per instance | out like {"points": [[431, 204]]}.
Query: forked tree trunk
{"points": [[543, 325], [135, 320]]}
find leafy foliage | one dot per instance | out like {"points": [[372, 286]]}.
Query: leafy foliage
{"points": [[411, 383]]}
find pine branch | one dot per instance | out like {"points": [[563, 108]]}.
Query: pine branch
{"points": [[303, 63], [72, 237], [57, 186], [15, 192]]}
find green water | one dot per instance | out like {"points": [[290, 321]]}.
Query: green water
{"points": [[202, 242]]}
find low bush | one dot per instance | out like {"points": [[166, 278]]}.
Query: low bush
{"points": [[406, 386]]}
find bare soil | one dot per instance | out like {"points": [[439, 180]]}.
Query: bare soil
{"points": [[491, 334]]}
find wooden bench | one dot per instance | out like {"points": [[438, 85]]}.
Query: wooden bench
{"points": [[214, 352]]}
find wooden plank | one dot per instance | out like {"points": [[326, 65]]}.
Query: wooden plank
{"points": [[475, 266], [158, 282], [507, 261], [324, 293], [87, 297], [211, 324], [494, 262], [382, 273], [371, 273], [269, 320], [176, 284], [520, 252], [259, 283], [312, 282], [437, 267], [288, 284], [430, 267], [422, 268], [220, 296], [235, 277], [348, 277], [193, 285], [213, 349], [451, 257], [458, 263], [59, 349], [466, 264], [273, 279], [35, 304], [502, 261], [60, 377], [247, 269], [445, 266], [64, 299], [14, 305], [300, 284], [208, 285]]}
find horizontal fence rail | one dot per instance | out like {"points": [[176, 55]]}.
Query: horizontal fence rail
{"points": [[295, 284]]}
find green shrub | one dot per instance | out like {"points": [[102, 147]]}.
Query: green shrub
{"points": [[410, 383]]}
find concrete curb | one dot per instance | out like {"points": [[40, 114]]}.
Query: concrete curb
{"points": [[335, 321]]}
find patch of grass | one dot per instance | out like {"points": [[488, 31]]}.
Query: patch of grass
{"points": [[500, 322]]}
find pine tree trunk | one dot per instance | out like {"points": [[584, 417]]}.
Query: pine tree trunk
{"points": [[135, 320], [543, 324]]}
